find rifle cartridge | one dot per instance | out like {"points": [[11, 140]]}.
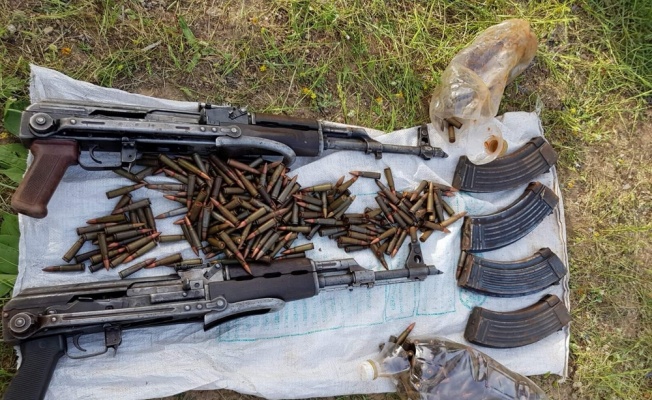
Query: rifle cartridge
{"points": [[104, 251], [138, 253], [97, 258], [172, 213], [399, 243], [123, 190], [422, 185], [126, 174], [141, 216], [434, 226], [312, 232], [170, 163], [74, 249], [189, 167], [275, 176], [127, 235], [218, 244], [298, 229], [371, 214], [133, 206], [199, 162], [361, 236], [268, 244], [175, 175], [290, 256], [276, 190], [351, 249], [310, 207], [318, 188], [133, 246], [118, 260], [110, 230], [342, 208], [425, 235], [366, 174], [399, 219], [167, 187], [135, 268], [265, 196], [65, 268], [324, 205], [95, 267], [242, 167], [393, 242], [171, 238], [388, 193], [287, 190], [299, 249], [375, 249], [449, 210], [388, 233], [390, 179], [262, 181], [452, 219], [249, 187], [108, 218], [165, 261], [344, 186]]}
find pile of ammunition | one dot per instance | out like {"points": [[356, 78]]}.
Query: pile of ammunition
{"points": [[128, 233], [254, 212]]}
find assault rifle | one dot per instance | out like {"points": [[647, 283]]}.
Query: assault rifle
{"points": [[101, 136], [41, 320]]}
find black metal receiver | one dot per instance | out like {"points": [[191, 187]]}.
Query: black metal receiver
{"points": [[104, 136], [41, 319]]}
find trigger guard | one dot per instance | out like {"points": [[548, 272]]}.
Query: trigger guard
{"points": [[244, 142]]}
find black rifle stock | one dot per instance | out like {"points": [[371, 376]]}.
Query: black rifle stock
{"points": [[41, 319], [105, 136]]}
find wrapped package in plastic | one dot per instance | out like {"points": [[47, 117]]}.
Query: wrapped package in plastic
{"points": [[441, 369], [473, 84]]}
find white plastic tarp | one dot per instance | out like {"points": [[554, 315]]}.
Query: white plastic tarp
{"points": [[313, 347]]}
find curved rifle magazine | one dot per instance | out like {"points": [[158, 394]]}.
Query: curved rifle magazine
{"points": [[511, 279], [490, 232], [516, 328], [533, 159]]}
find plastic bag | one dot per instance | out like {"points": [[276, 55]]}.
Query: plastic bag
{"points": [[473, 84], [392, 360], [441, 369]]}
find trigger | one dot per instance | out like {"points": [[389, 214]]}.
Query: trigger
{"points": [[91, 154], [75, 342]]}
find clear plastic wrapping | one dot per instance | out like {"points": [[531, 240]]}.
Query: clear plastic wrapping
{"points": [[473, 84], [393, 359], [441, 369]]}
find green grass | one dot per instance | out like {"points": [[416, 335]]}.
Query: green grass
{"points": [[375, 63]]}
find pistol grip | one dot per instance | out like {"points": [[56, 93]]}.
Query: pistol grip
{"points": [[40, 357], [51, 159]]}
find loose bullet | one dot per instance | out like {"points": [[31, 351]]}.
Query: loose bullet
{"points": [[123, 190], [65, 268], [366, 174]]}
